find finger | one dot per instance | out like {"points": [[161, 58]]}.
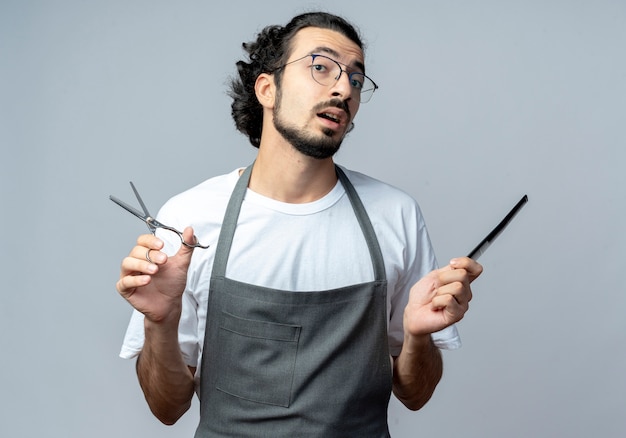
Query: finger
{"points": [[147, 254], [150, 241], [137, 266], [450, 306], [473, 268], [459, 291], [127, 285], [446, 300], [453, 275]]}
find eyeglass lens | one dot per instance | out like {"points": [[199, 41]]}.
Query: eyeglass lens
{"points": [[327, 71]]}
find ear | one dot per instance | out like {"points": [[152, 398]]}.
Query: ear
{"points": [[265, 90]]}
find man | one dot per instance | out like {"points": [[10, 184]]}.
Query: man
{"points": [[306, 311]]}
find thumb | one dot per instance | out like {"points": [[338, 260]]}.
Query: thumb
{"points": [[186, 251]]}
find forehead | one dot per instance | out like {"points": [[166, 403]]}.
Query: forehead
{"points": [[327, 42]]}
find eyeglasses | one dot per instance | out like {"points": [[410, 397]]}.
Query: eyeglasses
{"points": [[152, 223], [326, 71]]}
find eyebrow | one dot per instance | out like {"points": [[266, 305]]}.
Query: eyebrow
{"points": [[328, 50]]}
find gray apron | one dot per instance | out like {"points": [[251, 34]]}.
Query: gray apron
{"points": [[279, 363]]}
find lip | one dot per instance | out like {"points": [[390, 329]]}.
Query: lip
{"points": [[336, 113]]}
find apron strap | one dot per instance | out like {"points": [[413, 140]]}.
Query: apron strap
{"points": [[229, 224], [366, 225]]}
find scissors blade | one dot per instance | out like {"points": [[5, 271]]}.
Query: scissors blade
{"points": [[128, 208], [143, 206], [151, 227], [487, 241]]}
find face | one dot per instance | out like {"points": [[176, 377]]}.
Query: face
{"points": [[314, 118]]}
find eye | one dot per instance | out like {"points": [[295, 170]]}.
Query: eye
{"points": [[319, 68], [357, 80]]}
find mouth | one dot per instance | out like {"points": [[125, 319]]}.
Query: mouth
{"points": [[334, 115], [331, 117]]}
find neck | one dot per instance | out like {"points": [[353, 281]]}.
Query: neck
{"points": [[286, 175]]}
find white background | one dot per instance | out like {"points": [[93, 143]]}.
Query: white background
{"points": [[480, 102]]}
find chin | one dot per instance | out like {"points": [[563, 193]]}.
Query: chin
{"points": [[318, 149]]}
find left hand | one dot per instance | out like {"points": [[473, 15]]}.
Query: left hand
{"points": [[441, 298]]}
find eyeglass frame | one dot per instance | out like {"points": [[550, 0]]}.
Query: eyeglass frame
{"points": [[341, 71]]}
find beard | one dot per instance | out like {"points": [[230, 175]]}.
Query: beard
{"points": [[314, 146]]}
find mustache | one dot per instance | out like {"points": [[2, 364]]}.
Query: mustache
{"points": [[336, 103]]}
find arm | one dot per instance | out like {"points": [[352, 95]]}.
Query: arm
{"points": [[437, 301], [155, 289], [416, 372], [167, 382]]}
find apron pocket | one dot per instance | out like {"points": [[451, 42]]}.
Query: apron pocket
{"points": [[256, 359]]}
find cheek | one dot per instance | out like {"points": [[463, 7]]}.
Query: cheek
{"points": [[297, 89], [293, 100], [354, 108]]}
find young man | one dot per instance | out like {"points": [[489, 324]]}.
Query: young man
{"points": [[319, 293]]}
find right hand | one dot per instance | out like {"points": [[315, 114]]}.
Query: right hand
{"points": [[155, 289]]}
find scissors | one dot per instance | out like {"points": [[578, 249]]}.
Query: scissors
{"points": [[152, 223]]}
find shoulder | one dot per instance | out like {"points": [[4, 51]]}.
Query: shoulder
{"points": [[201, 202], [216, 187], [379, 196]]}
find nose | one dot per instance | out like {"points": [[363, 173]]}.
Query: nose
{"points": [[342, 88]]}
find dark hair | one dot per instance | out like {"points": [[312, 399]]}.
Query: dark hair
{"points": [[270, 51]]}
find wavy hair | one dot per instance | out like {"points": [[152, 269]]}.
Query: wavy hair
{"points": [[267, 54]]}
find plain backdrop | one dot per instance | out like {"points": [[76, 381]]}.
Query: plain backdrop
{"points": [[480, 102]]}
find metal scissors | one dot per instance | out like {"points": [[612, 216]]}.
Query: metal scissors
{"points": [[152, 223]]}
